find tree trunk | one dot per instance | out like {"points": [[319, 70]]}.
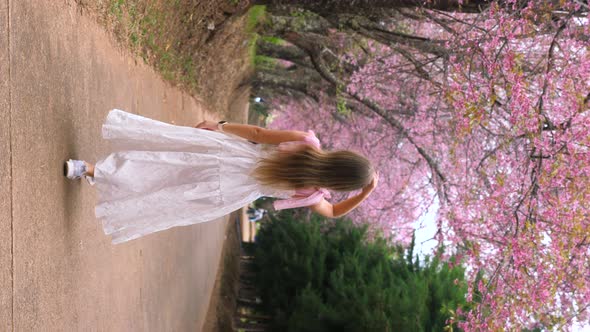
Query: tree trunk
{"points": [[308, 22], [372, 30], [290, 53], [324, 45], [256, 317], [314, 52], [380, 8], [268, 92], [359, 6], [303, 81], [250, 327]]}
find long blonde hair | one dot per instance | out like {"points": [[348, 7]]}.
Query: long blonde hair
{"points": [[308, 167]]}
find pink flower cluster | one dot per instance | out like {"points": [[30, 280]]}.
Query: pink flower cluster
{"points": [[505, 115]]}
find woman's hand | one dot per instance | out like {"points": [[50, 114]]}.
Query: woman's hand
{"points": [[339, 209], [207, 125], [369, 188]]}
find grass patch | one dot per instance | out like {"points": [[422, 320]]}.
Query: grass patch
{"points": [[167, 34], [162, 32], [264, 62], [115, 8], [252, 48], [147, 27], [256, 16], [273, 40], [200, 46]]}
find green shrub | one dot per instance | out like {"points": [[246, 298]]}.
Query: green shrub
{"points": [[325, 275]]}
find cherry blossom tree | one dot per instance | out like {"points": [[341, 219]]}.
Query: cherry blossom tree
{"points": [[485, 112]]}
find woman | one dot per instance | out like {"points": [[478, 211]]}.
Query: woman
{"points": [[161, 176]]}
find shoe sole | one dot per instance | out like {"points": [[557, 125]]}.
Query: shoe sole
{"points": [[67, 167]]}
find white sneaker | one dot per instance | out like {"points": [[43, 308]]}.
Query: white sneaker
{"points": [[76, 169]]}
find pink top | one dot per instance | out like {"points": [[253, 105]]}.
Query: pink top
{"points": [[305, 196], [309, 139]]}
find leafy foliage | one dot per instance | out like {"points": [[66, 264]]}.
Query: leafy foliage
{"points": [[479, 111], [327, 276]]}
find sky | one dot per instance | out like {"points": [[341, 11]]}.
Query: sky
{"points": [[425, 228]]}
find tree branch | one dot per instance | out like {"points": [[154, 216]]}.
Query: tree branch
{"points": [[314, 52]]}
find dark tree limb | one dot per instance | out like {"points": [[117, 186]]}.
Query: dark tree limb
{"points": [[290, 53], [380, 34], [314, 52], [309, 22], [376, 6]]}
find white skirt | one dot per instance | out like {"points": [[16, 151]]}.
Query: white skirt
{"points": [[161, 176]]}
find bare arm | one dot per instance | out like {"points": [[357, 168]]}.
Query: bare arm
{"points": [[255, 133], [339, 209]]}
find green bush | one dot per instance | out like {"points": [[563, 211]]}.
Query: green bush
{"points": [[325, 275]]}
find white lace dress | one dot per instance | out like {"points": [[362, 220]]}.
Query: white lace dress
{"points": [[161, 176]]}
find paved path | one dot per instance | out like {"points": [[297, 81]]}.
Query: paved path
{"points": [[59, 75]]}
